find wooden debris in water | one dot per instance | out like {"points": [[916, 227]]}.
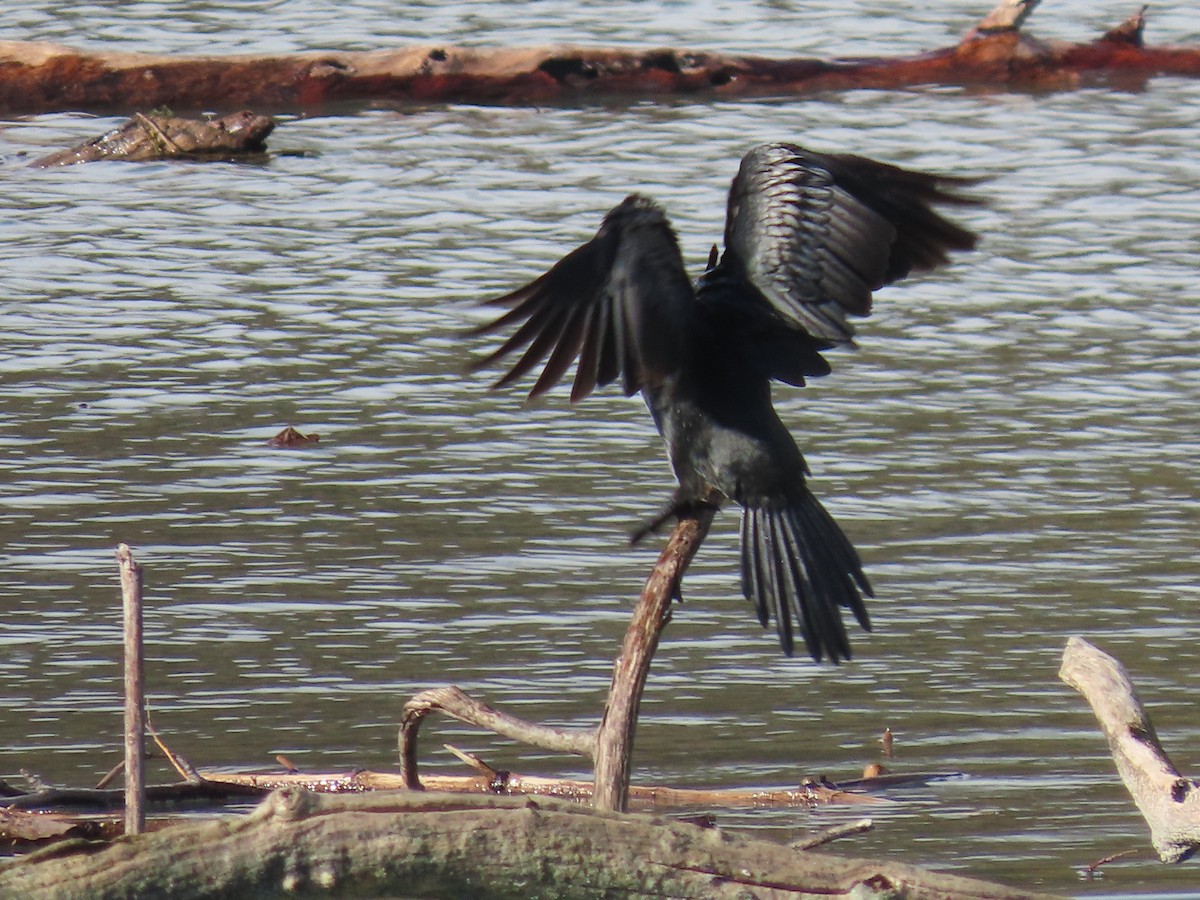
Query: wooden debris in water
{"points": [[144, 138], [290, 438]]}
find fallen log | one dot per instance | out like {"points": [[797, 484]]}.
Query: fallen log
{"points": [[299, 844], [152, 137], [40, 77], [1168, 802]]}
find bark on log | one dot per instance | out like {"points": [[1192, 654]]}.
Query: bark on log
{"points": [[45, 77], [298, 844], [1169, 802]]}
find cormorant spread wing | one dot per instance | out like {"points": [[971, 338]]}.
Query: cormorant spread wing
{"points": [[808, 237], [622, 303], [816, 233]]}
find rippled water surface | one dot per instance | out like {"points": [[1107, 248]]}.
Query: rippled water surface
{"points": [[1013, 449]]}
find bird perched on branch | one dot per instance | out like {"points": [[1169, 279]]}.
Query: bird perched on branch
{"points": [[808, 237]]}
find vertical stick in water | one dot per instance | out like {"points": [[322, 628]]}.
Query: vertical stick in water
{"points": [[135, 706]]}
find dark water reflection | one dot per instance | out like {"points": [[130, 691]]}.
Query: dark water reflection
{"points": [[1013, 449]]}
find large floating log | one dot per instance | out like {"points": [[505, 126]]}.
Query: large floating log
{"points": [[416, 844], [1169, 802], [45, 77]]}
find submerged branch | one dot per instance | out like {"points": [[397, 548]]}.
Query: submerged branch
{"points": [[1169, 802]]}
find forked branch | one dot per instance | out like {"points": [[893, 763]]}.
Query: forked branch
{"points": [[610, 744]]}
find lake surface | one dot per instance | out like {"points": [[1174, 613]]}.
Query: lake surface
{"points": [[1013, 449]]}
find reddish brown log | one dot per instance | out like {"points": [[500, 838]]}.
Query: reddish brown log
{"points": [[42, 77]]}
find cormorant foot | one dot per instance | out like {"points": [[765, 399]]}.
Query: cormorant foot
{"points": [[673, 510]]}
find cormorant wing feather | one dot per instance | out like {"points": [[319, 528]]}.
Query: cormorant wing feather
{"points": [[622, 304], [816, 233]]}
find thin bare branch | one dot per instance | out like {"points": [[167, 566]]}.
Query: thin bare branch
{"points": [[457, 704]]}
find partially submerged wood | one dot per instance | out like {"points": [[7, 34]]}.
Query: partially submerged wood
{"points": [[299, 844], [1169, 802], [22, 828], [153, 137], [290, 438], [44, 77]]}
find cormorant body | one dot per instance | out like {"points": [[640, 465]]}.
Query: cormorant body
{"points": [[808, 238]]}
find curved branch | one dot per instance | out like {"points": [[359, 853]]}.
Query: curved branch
{"points": [[614, 737], [457, 704]]}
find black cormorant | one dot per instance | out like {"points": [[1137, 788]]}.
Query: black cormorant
{"points": [[808, 237]]}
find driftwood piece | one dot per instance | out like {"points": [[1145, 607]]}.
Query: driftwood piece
{"points": [[1169, 802], [1009, 15], [21, 828], [202, 793], [808, 793], [44, 77], [290, 438], [298, 844], [457, 704], [145, 138]]}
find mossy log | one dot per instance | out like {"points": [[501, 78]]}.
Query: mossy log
{"points": [[45, 77], [422, 844]]}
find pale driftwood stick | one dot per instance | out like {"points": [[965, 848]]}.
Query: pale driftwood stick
{"points": [[1009, 15], [503, 783], [135, 709], [455, 703], [614, 738], [1169, 802], [435, 845], [833, 833]]}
